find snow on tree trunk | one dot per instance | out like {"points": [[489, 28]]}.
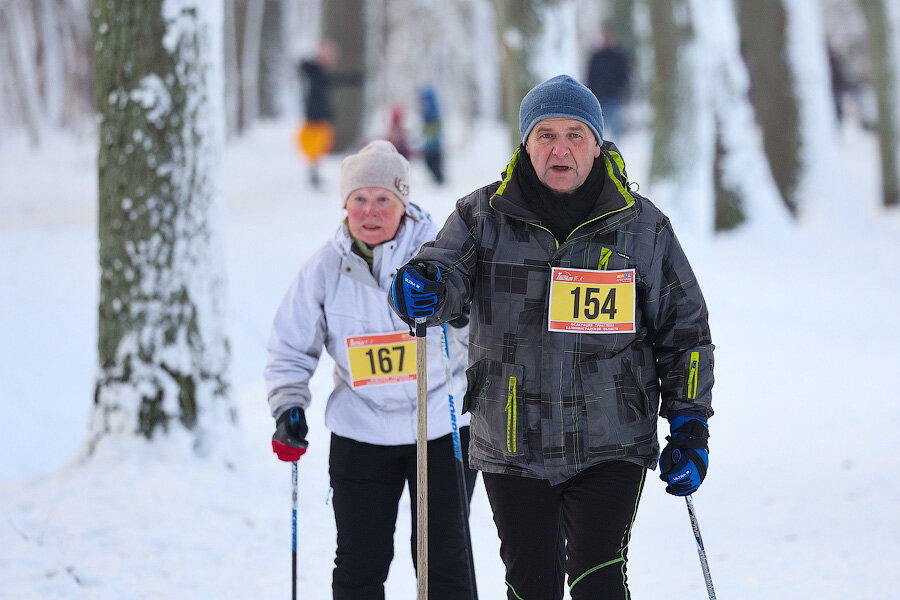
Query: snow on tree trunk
{"points": [[786, 53], [883, 21], [741, 172], [162, 350], [708, 168], [681, 164]]}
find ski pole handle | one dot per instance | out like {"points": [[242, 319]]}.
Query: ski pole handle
{"points": [[700, 550]]}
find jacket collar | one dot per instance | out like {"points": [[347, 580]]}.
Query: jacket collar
{"points": [[615, 197]]}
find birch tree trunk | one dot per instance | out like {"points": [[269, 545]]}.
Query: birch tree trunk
{"points": [[883, 21], [162, 350]]}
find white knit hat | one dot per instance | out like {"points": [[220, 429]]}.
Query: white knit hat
{"points": [[377, 165]]}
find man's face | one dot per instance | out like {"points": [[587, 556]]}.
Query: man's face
{"points": [[562, 151]]}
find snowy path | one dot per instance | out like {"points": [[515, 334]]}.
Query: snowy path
{"points": [[801, 500]]}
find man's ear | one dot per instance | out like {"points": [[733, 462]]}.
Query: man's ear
{"points": [[597, 149]]}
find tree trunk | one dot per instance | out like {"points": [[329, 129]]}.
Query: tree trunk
{"points": [[250, 44], [773, 90], [232, 70], [344, 21], [672, 94], [162, 351], [883, 21], [518, 25], [274, 69]]}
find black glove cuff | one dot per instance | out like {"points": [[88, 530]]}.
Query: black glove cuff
{"points": [[687, 442]]}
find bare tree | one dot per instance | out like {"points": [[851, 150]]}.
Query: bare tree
{"points": [[883, 19], [162, 351]]}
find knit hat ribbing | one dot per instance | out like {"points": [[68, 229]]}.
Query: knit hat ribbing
{"points": [[560, 96], [377, 165]]}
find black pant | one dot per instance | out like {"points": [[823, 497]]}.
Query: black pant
{"points": [[581, 526], [368, 482]]}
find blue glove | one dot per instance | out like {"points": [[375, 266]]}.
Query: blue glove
{"points": [[685, 458], [417, 290]]}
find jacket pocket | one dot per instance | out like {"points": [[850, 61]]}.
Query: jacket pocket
{"points": [[494, 395], [617, 407]]}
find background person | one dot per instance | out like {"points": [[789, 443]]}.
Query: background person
{"points": [[336, 301], [608, 77]]}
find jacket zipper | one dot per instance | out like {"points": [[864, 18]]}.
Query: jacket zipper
{"points": [[511, 420]]}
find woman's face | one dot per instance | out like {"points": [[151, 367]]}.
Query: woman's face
{"points": [[373, 214]]}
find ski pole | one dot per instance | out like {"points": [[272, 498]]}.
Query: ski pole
{"points": [[421, 463], [295, 419], [460, 470], [700, 550]]}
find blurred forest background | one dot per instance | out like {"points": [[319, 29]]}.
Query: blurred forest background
{"points": [[481, 56]]}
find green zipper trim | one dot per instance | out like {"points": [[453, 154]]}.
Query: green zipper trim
{"points": [[693, 376], [511, 421], [603, 265]]}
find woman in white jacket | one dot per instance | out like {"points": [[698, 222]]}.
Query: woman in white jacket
{"points": [[338, 301]]}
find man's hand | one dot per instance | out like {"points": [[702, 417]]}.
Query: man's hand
{"points": [[417, 291], [684, 460], [289, 440]]}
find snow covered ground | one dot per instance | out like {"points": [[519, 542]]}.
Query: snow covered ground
{"points": [[801, 499]]}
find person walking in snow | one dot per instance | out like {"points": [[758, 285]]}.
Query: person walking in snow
{"points": [[587, 323], [336, 301], [608, 77]]}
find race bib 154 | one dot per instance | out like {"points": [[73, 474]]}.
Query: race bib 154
{"points": [[586, 301]]}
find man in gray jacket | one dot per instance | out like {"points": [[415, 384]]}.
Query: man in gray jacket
{"points": [[586, 324]]}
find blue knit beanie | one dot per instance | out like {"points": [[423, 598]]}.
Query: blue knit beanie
{"points": [[560, 96]]}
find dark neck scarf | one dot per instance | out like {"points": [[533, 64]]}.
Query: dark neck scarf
{"points": [[560, 213]]}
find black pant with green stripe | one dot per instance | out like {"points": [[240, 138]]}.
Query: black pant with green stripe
{"points": [[581, 527]]}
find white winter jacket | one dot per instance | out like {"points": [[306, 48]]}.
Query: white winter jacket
{"points": [[336, 302]]}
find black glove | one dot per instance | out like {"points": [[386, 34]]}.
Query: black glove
{"points": [[289, 440]]}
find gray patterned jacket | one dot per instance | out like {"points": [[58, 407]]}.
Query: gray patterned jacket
{"points": [[548, 404]]}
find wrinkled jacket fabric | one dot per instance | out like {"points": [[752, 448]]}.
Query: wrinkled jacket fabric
{"points": [[550, 404], [335, 295]]}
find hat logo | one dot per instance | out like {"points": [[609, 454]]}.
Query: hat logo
{"points": [[402, 186]]}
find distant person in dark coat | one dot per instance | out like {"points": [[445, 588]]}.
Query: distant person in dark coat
{"points": [[608, 75]]}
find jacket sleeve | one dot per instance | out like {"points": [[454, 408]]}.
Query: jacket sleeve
{"points": [[678, 326], [455, 252], [296, 341]]}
